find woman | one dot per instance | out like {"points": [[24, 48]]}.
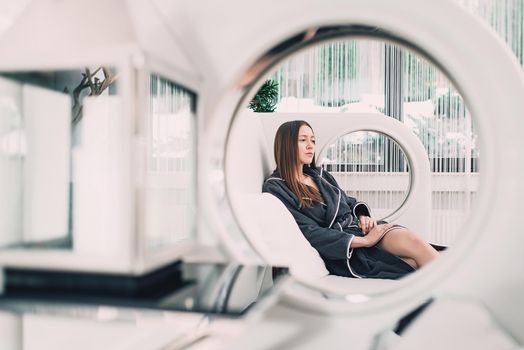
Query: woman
{"points": [[341, 229]]}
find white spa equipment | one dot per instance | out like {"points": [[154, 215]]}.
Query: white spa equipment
{"points": [[479, 277], [219, 52]]}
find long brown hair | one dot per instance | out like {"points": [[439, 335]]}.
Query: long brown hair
{"points": [[286, 157]]}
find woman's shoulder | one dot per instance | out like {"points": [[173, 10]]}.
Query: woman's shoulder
{"points": [[276, 185], [272, 180], [275, 175]]}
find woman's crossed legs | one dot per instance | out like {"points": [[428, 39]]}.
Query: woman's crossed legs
{"points": [[408, 246]]}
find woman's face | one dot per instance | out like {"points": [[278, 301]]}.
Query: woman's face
{"points": [[306, 145]]}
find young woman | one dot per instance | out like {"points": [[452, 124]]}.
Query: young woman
{"points": [[348, 239]]}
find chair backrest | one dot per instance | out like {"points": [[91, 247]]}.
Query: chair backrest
{"points": [[248, 160]]}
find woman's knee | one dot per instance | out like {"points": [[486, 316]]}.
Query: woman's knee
{"points": [[409, 244], [407, 236]]}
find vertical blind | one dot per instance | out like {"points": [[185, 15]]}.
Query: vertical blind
{"points": [[169, 188]]}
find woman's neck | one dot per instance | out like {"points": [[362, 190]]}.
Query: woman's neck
{"points": [[301, 175]]}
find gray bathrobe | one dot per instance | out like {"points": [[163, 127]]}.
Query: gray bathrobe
{"points": [[331, 226]]}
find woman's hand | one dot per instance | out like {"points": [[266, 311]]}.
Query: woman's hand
{"points": [[376, 233], [366, 223], [372, 237]]}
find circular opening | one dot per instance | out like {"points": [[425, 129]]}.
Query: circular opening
{"points": [[341, 75], [485, 102], [369, 166]]}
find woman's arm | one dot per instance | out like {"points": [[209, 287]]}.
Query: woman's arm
{"points": [[372, 238], [330, 243]]}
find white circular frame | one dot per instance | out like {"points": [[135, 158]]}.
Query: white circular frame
{"points": [[468, 52], [409, 145]]}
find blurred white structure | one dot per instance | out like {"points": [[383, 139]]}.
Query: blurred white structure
{"points": [[122, 196], [219, 52]]}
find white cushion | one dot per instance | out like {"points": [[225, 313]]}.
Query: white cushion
{"points": [[273, 231]]}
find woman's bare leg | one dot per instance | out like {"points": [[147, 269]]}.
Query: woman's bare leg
{"points": [[409, 245]]}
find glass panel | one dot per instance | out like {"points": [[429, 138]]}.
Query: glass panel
{"points": [[229, 289], [338, 76], [170, 176], [438, 115], [41, 117]]}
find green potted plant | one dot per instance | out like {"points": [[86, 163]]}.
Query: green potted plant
{"points": [[265, 100]]}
